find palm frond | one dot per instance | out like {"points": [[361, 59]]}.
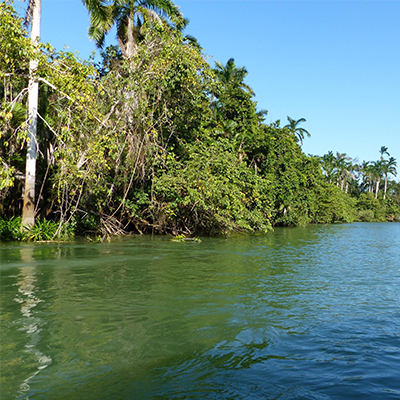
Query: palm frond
{"points": [[191, 40], [129, 16], [98, 35], [99, 12]]}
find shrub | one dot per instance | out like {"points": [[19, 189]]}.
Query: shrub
{"points": [[11, 229], [367, 201], [210, 193], [366, 215]]}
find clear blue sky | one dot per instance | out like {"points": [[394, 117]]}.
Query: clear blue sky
{"points": [[334, 63]]}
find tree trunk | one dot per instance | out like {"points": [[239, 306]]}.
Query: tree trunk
{"points": [[378, 181], [128, 45], [128, 48], [384, 193], [342, 184], [28, 211]]}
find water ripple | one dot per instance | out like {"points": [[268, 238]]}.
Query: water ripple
{"points": [[300, 313]]}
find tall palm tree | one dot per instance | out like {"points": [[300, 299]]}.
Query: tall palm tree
{"points": [[383, 150], [328, 165], [367, 169], [234, 100], [377, 172], [347, 175], [295, 130], [129, 16], [33, 18], [388, 167], [344, 168], [232, 75]]}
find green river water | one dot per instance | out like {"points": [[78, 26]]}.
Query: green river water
{"points": [[298, 313]]}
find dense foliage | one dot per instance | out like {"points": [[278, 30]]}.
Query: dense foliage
{"points": [[162, 142]]}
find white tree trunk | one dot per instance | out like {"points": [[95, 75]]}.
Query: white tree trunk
{"points": [[378, 181], [28, 211], [385, 190], [342, 184]]}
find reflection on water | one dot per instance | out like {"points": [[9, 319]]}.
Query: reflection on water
{"points": [[299, 313], [29, 323]]}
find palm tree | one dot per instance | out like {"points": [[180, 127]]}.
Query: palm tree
{"points": [[295, 130], [33, 17], [367, 171], [348, 175], [344, 168], [383, 150], [234, 101], [388, 167], [377, 167], [261, 114], [129, 16], [328, 165], [232, 75]]}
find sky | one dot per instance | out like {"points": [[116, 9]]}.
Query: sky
{"points": [[335, 63]]}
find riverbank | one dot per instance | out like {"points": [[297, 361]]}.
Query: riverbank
{"points": [[48, 231]]}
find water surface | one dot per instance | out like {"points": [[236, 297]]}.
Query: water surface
{"points": [[299, 313]]}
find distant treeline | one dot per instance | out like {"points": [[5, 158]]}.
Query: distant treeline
{"points": [[156, 140]]}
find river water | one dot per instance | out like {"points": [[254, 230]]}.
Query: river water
{"points": [[298, 313]]}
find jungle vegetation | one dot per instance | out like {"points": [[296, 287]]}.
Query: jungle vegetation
{"points": [[154, 139]]}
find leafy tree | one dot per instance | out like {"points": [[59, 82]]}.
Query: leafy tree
{"points": [[210, 193], [114, 184], [65, 104], [368, 202], [334, 205], [294, 177], [16, 51]]}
